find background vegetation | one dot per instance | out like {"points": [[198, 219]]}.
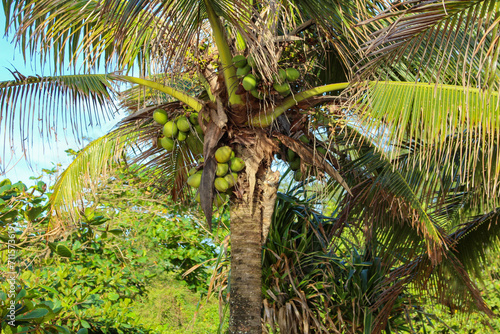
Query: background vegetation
{"points": [[121, 269]]}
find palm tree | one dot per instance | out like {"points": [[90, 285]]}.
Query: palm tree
{"points": [[183, 51]]}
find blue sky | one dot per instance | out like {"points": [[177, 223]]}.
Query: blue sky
{"points": [[42, 155]]}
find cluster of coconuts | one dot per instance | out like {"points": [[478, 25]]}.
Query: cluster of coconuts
{"points": [[294, 161], [228, 167], [250, 82], [177, 129]]}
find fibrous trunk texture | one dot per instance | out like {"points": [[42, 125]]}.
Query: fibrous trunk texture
{"points": [[250, 211]]}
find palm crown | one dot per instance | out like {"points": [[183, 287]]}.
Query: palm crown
{"points": [[386, 106]]}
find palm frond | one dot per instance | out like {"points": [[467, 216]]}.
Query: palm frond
{"points": [[431, 115], [89, 167], [68, 31], [475, 239], [44, 104], [436, 41]]}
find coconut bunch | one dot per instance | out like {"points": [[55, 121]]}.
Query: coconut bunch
{"points": [[228, 167], [178, 129], [250, 82]]}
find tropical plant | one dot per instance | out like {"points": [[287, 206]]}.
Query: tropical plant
{"points": [[294, 98], [105, 271]]}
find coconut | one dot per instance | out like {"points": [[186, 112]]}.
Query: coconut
{"points": [[167, 143], [192, 171], [239, 61], [258, 95], [220, 200], [223, 154], [221, 184], [292, 74], [281, 75], [290, 155], [231, 179], [241, 72], [193, 118], [160, 116], [194, 180], [295, 164], [221, 169], [198, 129], [283, 88], [236, 164], [181, 136], [298, 175], [249, 82], [183, 124], [198, 197], [251, 61], [170, 129]]}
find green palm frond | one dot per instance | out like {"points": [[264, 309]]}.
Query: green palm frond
{"points": [[437, 41], [69, 30], [475, 239], [430, 115], [89, 167], [44, 104]]}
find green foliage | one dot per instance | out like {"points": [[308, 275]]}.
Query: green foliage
{"points": [[101, 273], [170, 307], [314, 279]]}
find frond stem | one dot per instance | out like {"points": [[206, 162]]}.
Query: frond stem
{"points": [[183, 97]]}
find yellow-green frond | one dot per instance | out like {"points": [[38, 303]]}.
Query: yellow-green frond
{"points": [[89, 167], [434, 116]]}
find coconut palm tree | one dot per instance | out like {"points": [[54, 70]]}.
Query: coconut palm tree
{"points": [[184, 51]]}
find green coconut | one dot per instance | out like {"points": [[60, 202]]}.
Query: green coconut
{"points": [[242, 71], [236, 164], [198, 129], [292, 74], [258, 95], [167, 143], [231, 179], [221, 184], [198, 197], [290, 155], [239, 61], [194, 180], [283, 89], [220, 200], [295, 164], [251, 61], [221, 169], [160, 116], [170, 129], [183, 124], [223, 154], [193, 118], [181, 136], [249, 82], [281, 75], [192, 171]]}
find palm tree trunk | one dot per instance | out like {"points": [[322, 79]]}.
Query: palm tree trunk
{"points": [[249, 213]]}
